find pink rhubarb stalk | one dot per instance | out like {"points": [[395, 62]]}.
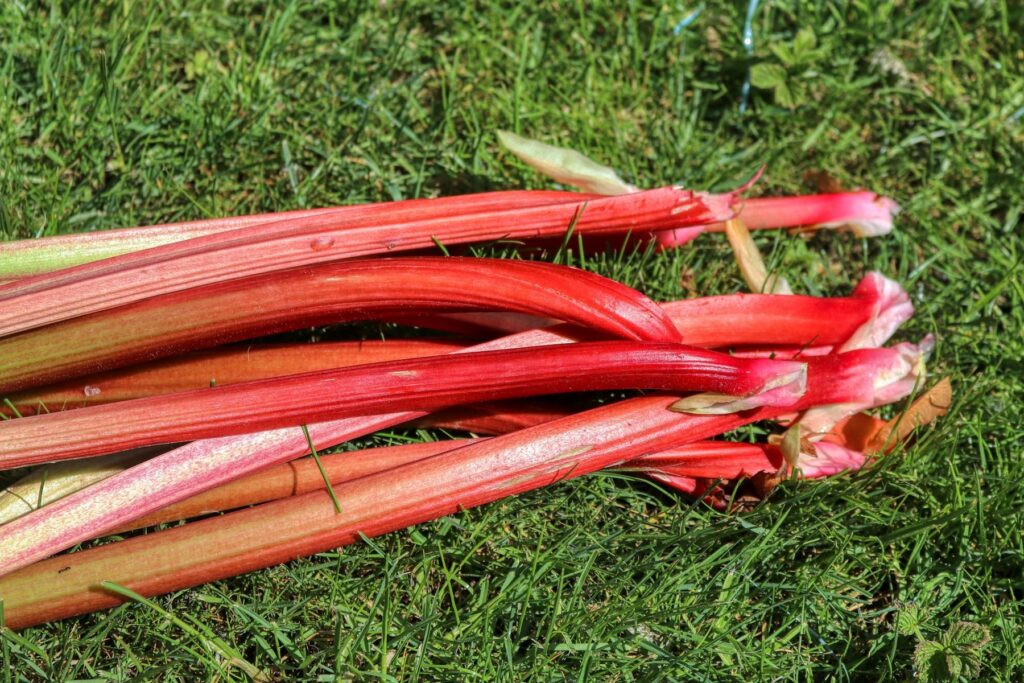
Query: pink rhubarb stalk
{"points": [[274, 247], [334, 292], [427, 383], [705, 459]]}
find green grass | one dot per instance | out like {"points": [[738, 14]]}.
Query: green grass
{"points": [[126, 113]]}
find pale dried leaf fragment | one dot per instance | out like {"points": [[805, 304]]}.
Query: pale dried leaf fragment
{"points": [[566, 165], [930, 406], [749, 260]]}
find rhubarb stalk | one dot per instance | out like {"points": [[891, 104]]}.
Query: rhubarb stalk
{"points": [[46, 254], [426, 384], [328, 293]]}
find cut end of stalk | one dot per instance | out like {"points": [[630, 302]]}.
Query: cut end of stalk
{"points": [[899, 381], [894, 376], [826, 459], [784, 390], [566, 166]]}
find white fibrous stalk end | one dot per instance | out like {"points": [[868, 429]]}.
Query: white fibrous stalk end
{"points": [[875, 219], [891, 307]]}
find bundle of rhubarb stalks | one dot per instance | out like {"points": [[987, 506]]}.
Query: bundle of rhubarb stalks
{"points": [[137, 393]]}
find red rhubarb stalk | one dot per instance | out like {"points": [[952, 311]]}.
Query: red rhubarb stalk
{"points": [[289, 528], [347, 290], [429, 384], [273, 247], [220, 367], [781, 327]]}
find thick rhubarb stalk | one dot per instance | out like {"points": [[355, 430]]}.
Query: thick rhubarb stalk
{"points": [[429, 383], [29, 257], [273, 247], [346, 290], [220, 367], [203, 465], [285, 529], [781, 327]]}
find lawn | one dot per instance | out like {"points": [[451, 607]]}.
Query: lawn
{"points": [[126, 113]]}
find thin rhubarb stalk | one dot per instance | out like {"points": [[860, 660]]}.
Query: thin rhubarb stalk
{"points": [[705, 459], [29, 257], [289, 528], [865, 213], [295, 478], [331, 292], [203, 465], [429, 383], [220, 367], [273, 247]]}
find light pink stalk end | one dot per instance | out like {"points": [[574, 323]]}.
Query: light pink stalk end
{"points": [[866, 214], [829, 459], [890, 308], [894, 377]]}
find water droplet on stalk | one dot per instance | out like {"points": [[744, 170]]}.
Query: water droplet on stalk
{"points": [[321, 243]]}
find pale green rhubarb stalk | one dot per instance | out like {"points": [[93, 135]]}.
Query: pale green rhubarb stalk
{"points": [[282, 530], [428, 384], [275, 247], [52, 482], [327, 293], [22, 258]]}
